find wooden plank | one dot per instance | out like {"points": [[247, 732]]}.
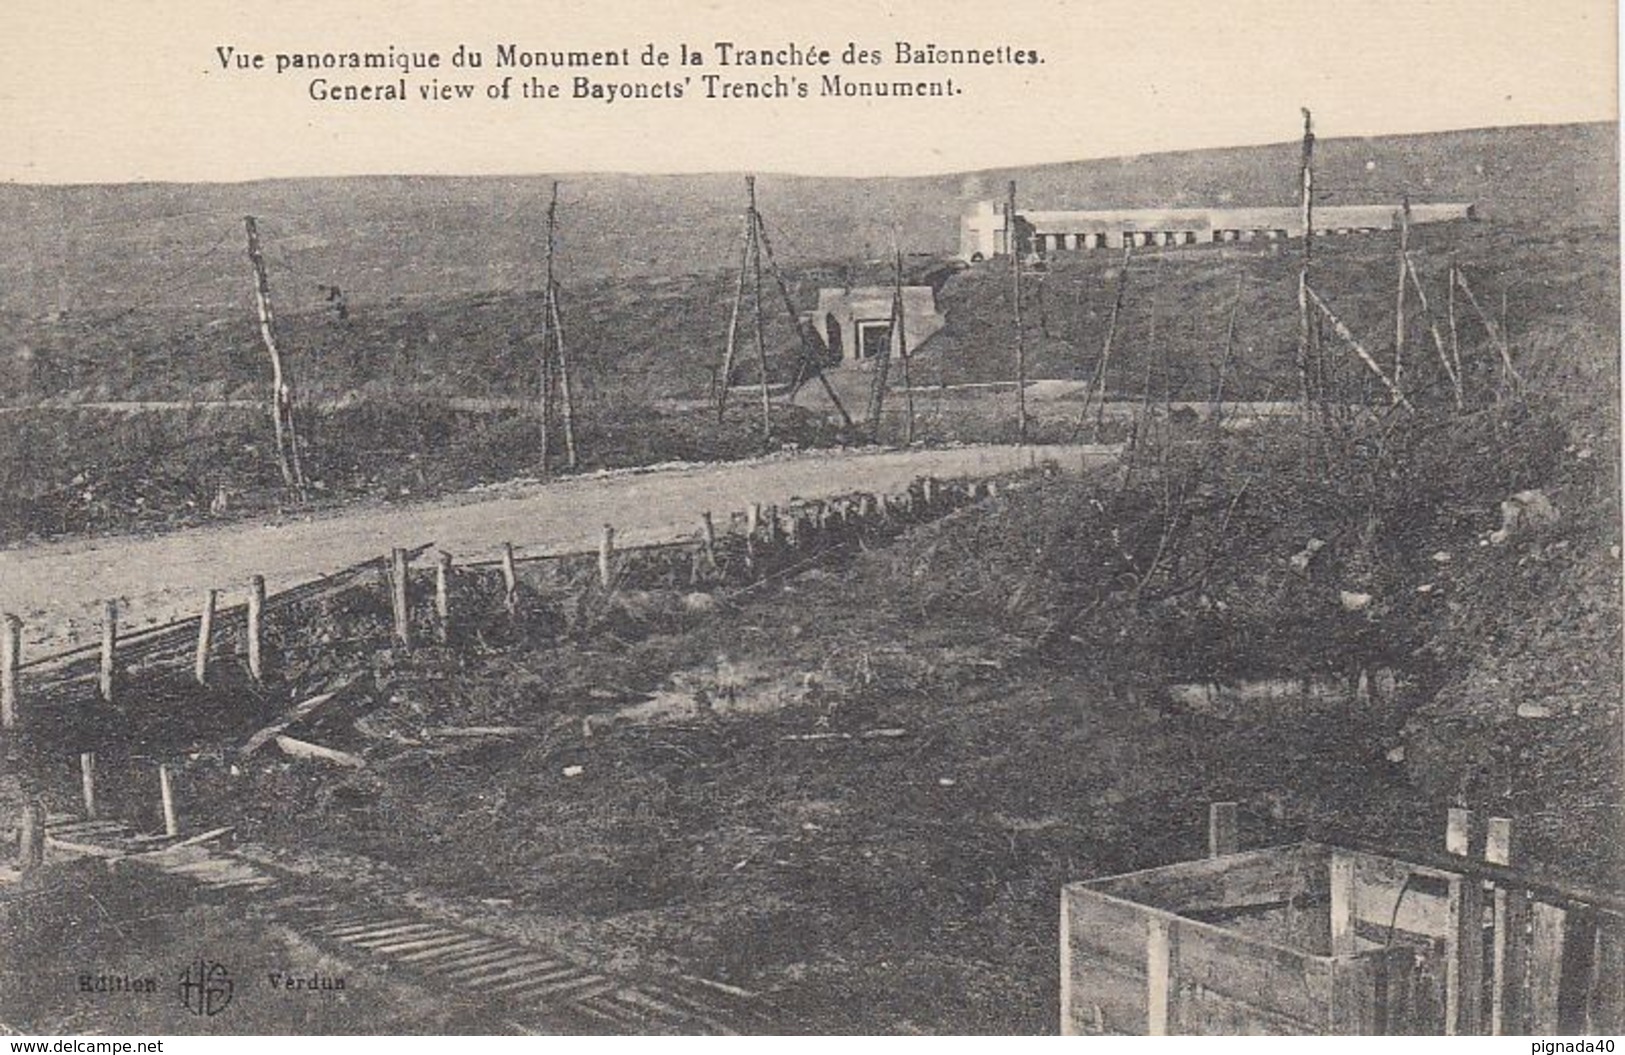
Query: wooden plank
{"points": [[1291, 984], [1605, 1010], [1207, 1012], [1464, 958], [1252, 877], [1159, 965], [1547, 924], [1107, 996], [1106, 927], [1386, 893], [1355, 989], [1509, 962], [1344, 911]]}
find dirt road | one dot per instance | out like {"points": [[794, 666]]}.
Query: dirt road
{"points": [[58, 588]]}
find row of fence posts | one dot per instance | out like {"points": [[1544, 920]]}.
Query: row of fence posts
{"points": [[790, 528]]}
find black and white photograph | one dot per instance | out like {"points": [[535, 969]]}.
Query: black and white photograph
{"points": [[1082, 517]]}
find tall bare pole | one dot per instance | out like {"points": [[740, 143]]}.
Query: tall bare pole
{"points": [[547, 379], [566, 399], [1399, 298], [287, 436], [725, 376], [902, 341], [1013, 243], [1305, 320], [754, 219]]}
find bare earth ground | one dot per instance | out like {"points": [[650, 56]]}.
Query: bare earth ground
{"points": [[58, 588]]}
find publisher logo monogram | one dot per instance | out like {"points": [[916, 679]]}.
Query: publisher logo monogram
{"points": [[206, 988]]}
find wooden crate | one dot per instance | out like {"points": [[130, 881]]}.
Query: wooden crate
{"points": [[1311, 939]]}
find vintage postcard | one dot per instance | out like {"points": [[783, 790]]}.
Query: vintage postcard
{"points": [[1074, 516]]}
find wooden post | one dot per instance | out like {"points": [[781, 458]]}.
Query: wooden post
{"points": [[1458, 831], [400, 600], [1013, 243], [166, 790], [31, 836], [709, 538], [1464, 937], [1221, 829], [606, 557], [1159, 962], [109, 649], [1306, 176], [510, 580], [11, 650], [442, 594], [1509, 962], [205, 638], [87, 782], [1343, 905], [256, 628]]}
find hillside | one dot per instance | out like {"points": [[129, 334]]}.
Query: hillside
{"points": [[84, 248]]}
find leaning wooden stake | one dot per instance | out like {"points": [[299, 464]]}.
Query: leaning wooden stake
{"points": [[1359, 349], [205, 638], [1497, 335], [1433, 331], [11, 647], [166, 791], [256, 628], [109, 649]]}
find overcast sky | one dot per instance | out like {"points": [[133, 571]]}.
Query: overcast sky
{"points": [[98, 91]]}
